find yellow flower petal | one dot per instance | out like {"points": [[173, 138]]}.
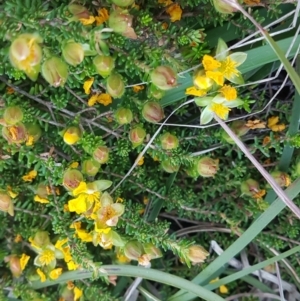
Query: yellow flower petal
{"points": [[228, 92], [103, 16], [220, 110], [217, 76], [74, 165], [82, 188], [23, 261], [194, 91], [92, 100], [54, 274], [30, 176], [209, 63], [175, 12], [138, 88], [272, 121], [104, 99], [78, 205], [223, 289], [140, 161], [88, 21], [87, 85], [38, 199], [72, 265], [77, 293], [41, 274]]}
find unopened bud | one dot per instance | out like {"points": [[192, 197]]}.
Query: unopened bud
{"points": [[72, 135], [249, 187], [13, 115], [78, 11], [90, 167], [101, 154], [73, 53], [223, 7], [41, 239], [123, 3], [121, 22], [104, 64], [72, 179], [152, 251], [115, 85], [67, 294], [164, 77], [133, 250], [153, 112], [137, 136], [169, 167], [15, 266], [123, 116], [42, 191], [239, 128], [6, 203], [201, 81], [55, 71], [169, 141], [207, 167], [33, 130], [197, 254], [15, 133], [281, 178]]}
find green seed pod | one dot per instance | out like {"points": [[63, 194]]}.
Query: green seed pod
{"points": [[137, 136], [223, 7], [238, 127], [101, 154], [6, 203], [104, 64], [15, 133], [55, 71], [78, 11], [73, 53], [152, 251], [197, 254], [90, 167], [133, 250], [164, 77], [13, 115], [249, 187], [207, 167], [168, 167], [123, 3], [33, 130], [41, 239], [15, 266], [123, 116], [115, 85], [169, 141], [281, 178], [153, 112], [72, 179]]}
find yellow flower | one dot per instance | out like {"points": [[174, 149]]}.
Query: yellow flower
{"points": [[92, 100], [87, 85], [220, 110], [140, 161], [209, 63], [77, 293], [228, 68], [38, 199], [74, 165], [138, 88], [88, 21], [41, 274], [46, 257], [11, 193], [72, 265], [228, 92], [194, 91], [223, 289], [84, 235], [59, 244], [23, 261], [274, 126], [103, 16], [217, 76], [175, 12], [54, 274], [278, 127], [30, 140], [18, 238], [104, 99], [30, 176]]}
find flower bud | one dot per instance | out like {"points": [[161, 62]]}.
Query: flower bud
{"points": [[72, 179], [42, 191], [101, 154], [90, 167], [78, 11], [153, 112], [104, 65], [224, 8], [15, 134], [55, 71], [197, 254], [207, 167], [168, 167], [123, 3], [121, 22], [201, 81], [164, 77], [67, 294], [15, 266], [239, 128], [13, 115], [6, 203], [137, 136], [133, 250], [26, 54], [152, 251], [73, 53], [41, 239], [72, 135], [281, 178], [155, 92], [115, 85], [169, 141], [123, 116], [33, 130], [249, 187]]}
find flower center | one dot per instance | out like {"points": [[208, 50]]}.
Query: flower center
{"points": [[228, 67], [220, 110], [46, 257]]}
